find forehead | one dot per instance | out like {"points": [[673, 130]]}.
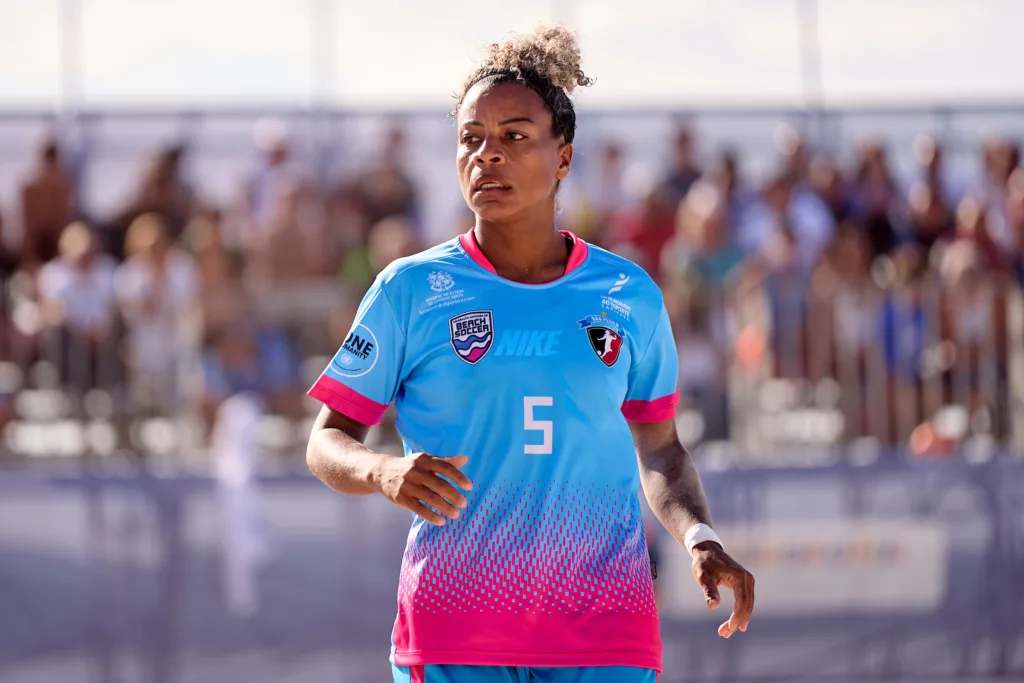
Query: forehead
{"points": [[488, 103]]}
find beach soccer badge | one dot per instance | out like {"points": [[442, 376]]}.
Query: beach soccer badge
{"points": [[472, 335]]}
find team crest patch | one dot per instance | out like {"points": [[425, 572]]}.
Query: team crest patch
{"points": [[605, 337], [472, 335]]}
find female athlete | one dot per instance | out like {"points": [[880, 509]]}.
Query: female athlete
{"points": [[534, 378]]}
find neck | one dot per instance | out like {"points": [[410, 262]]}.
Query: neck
{"points": [[526, 248]]}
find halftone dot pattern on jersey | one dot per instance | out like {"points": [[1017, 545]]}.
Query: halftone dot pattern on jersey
{"points": [[535, 548]]}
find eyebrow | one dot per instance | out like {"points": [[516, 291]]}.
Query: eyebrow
{"points": [[518, 119]]}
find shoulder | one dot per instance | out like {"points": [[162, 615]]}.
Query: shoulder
{"points": [[626, 279], [429, 268]]}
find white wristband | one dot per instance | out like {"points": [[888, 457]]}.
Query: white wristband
{"points": [[698, 533]]}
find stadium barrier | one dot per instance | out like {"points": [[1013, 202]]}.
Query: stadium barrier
{"points": [[890, 570], [938, 366]]}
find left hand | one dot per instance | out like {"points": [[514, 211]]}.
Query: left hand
{"points": [[712, 568]]}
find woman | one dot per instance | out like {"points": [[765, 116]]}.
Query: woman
{"points": [[519, 359]]}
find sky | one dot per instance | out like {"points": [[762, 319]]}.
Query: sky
{"points": [[415, 53]]}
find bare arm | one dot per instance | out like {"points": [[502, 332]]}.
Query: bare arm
{"points": [[669, 477], [337, 456], [674, 490]]}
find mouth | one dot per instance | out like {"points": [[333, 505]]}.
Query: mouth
{"points": [[489, 186]]}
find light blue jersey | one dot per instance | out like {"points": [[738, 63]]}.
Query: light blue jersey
{"points": [[547, 565]]}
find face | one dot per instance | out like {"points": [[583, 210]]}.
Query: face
{"points": [[508, 159]]}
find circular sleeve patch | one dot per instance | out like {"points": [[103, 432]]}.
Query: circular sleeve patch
{"points": [[358, 354]]}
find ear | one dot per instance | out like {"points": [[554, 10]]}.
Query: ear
{"points": [[564, 161]]}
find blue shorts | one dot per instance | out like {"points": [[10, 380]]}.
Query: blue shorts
{"points": [[454, 673]]}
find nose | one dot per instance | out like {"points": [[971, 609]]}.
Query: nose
{"points": [[490, 152]]}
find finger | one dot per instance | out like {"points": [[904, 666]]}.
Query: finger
{"points": [[742, 584], [432, 480], [726, 630], [434, 500], [446, 490], [708, 582], [449, 467], [423, 511]]}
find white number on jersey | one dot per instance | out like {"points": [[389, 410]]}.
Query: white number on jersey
{"points": [[530, 424]]}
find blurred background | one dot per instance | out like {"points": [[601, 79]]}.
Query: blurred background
{"points": [[195, 195]]}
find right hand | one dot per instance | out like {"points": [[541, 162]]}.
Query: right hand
{"points": [[414, 481]]}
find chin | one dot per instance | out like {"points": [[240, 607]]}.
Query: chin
{"points": [[494, 211]]}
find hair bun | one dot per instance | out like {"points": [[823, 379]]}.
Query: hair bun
{"points": [[551, 52]]}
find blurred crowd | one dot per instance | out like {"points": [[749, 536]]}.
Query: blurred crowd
{"points": [[826, 304]]}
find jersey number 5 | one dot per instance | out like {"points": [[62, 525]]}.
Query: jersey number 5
{"points": [[546, 427]]}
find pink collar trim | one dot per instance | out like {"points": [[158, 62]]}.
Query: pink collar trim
{"points": [[576, 257]]}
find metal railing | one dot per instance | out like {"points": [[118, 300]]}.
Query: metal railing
{"points": [[928, 364]]}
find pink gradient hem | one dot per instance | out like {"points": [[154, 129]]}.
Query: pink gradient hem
{"points": [[656, 410], [594, 639], [349, 402], [573, 659]]}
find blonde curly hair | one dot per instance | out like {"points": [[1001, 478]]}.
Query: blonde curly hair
{"points": [[547, 61]]}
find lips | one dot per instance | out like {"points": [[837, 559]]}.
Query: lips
{"points": [[489, 184]]}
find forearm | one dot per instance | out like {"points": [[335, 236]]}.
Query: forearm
{"points": [[674, 490], [343, 463]]}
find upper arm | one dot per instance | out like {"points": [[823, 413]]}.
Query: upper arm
{"points": [[652, 438], [328, 418], [652, 392], [363, 377]]}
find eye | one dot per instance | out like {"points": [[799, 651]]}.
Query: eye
{"points": [[513, 135], [468, 138]]}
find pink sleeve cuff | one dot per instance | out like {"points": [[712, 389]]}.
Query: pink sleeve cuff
{"points": [[348, 402], [657, 410]]}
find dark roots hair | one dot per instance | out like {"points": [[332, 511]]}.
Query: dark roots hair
{"points": [[546, 61]]}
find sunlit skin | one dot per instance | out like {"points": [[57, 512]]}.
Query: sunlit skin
{"points": [[505, 136]]}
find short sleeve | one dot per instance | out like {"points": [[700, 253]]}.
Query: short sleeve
{"points": [[653, 379], [362, 378]]}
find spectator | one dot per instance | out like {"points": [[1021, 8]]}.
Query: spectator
{"points": [[906, 326], [46, 206], [1015, 218], [641, 231], [10, 261], [972, 225], [163, 192], [218, 268], [293, 247], [788, 228], [157, 289], [684, 172], [77, 293], [270, 185], [243, 356], [600, 196], [791, 145], [1000, 229], [786, 232], [701, 252], [346, 216], [847, 326], [386, 188], [738, 196], [974, 324], [391, 239], [876, 197], [931, 218], [932, 170], [826, 180], [702, 368]]}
